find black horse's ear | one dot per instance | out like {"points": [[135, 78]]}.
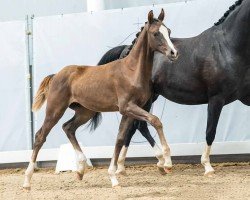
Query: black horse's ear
{"points": [[150, 17], [161, 15]]}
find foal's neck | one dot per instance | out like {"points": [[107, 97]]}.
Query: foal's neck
{"points": [[140, 58]]}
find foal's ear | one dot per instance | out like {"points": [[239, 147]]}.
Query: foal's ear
{"points": [[150, 17], [161, 15]]}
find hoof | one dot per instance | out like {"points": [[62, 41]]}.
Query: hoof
{"points": [[116, 186], [168, 170], [209, 173], [122, 172], [79, 176], [26, 188], [162, 171]]}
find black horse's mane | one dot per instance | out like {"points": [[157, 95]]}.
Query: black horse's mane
{"points": [[231, 8], [133, 42], [221, 20]]}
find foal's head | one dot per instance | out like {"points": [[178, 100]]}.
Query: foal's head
{"points": [[159, 36]]}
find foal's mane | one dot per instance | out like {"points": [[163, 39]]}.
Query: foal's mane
{"points": [[135, 40], [133, 43], [231, 9]]}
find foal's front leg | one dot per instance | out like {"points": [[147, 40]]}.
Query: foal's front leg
{"points": [[134, 111], [143, 128]]}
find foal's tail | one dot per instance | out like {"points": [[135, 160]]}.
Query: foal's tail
{"points": [[42, 93]]}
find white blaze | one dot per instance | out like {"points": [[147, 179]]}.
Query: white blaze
{"points": [[165, 33]]}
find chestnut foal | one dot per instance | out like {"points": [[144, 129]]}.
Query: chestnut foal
{"points": [[123, 85]]}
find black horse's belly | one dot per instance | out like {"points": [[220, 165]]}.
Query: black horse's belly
{"points": [[186, 97]]}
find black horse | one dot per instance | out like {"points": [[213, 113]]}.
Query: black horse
{"points": [[213, 68]]}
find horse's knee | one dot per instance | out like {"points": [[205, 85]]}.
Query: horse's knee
{"points": [[155, 121]]}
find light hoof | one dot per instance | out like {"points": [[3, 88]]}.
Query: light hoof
{"points": [[79, 176], [26, 187], [168, 170], [209, 173], [121, 172], [116, 186], [162, 171]]}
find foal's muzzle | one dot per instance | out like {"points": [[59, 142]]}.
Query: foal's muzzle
{"points": [[174, 55]]}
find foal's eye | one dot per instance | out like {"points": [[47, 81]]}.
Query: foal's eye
{"points": [[156, 34]]}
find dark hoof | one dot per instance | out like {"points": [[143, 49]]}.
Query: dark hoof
{"points": [[27, 188], [162, 171]]}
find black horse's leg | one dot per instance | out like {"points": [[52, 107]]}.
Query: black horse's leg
{"points": [[215, 105]]}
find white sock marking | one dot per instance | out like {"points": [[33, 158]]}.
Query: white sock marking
{"points": [[167, 157], [80, 161], [111, 172], [121, 159], [159, 155], [205, 160], [28, 174]]}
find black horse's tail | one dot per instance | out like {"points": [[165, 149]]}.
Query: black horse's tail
{"points": [[95, 121], [111, 55]]}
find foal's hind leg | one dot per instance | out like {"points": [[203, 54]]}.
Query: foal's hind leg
{"points": [[82, 115], [53, 113]]}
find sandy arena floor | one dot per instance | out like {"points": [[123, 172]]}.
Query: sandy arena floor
{"points": [[231, 181]]}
